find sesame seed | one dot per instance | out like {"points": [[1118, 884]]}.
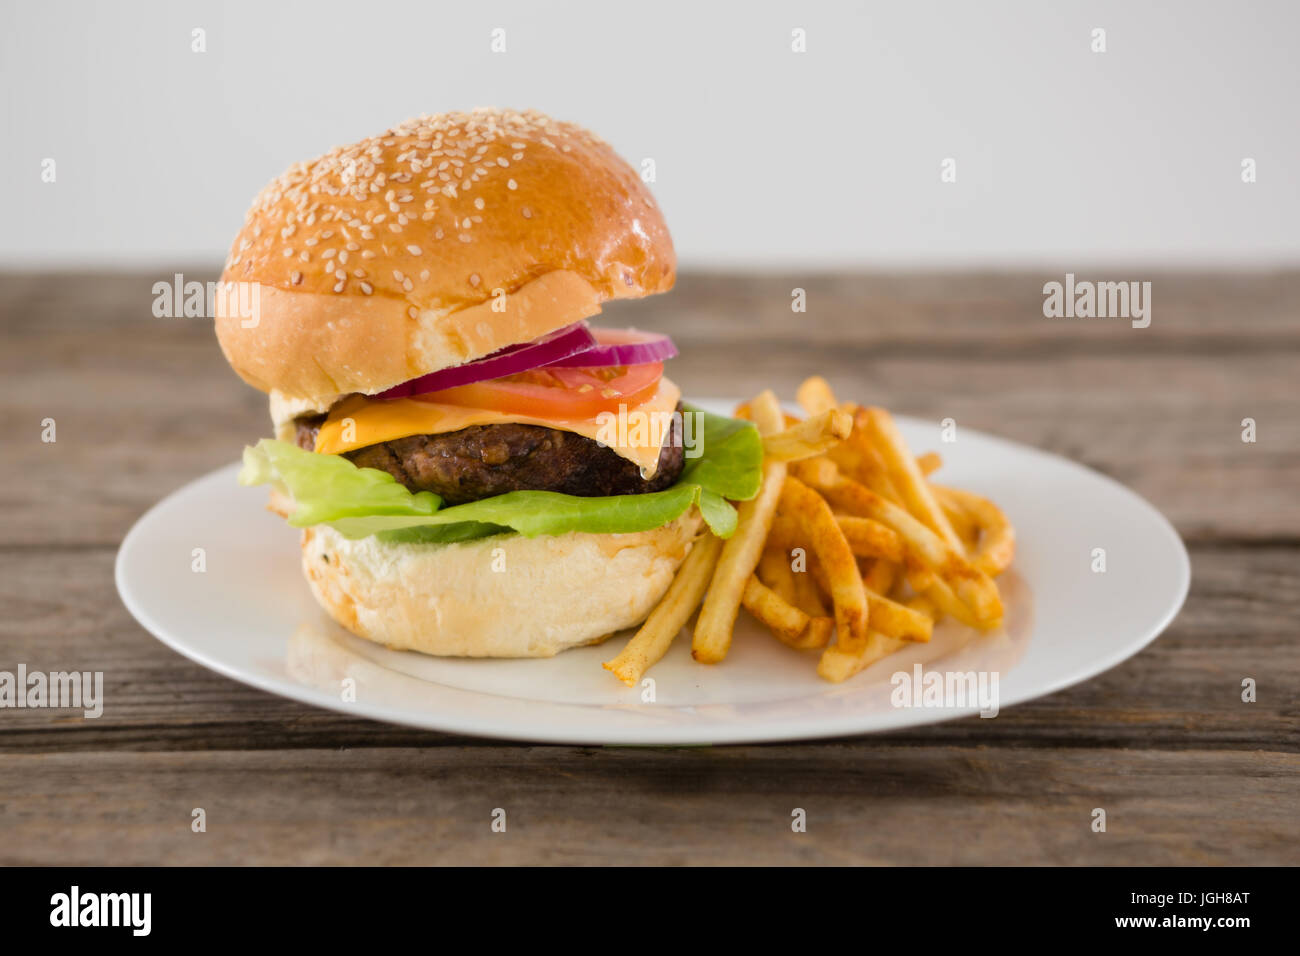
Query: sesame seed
{"points": [[511, 184], [296, 278], [367, 288], [414, 250]]}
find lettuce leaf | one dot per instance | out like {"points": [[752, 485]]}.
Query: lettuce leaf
{"points": [[359, 502]]}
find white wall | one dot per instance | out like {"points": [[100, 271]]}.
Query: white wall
{"points": [[763, 155]]}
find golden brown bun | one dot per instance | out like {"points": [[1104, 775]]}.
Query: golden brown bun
{"points": [[504, 596], [381, 261]]}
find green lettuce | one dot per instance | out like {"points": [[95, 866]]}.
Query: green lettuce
{"points": [[359, 502]]}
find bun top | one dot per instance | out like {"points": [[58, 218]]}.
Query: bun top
{"points": [[440, 241]]}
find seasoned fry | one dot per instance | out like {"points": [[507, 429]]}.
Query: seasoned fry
{"points": [[919, 577], [786, 533], [812, 436], [742, 550], [867, 538], [887, 616], [961, 520], [670, 615], [973, 587], [858, 458], [835, 558], [838, 664], [947, 603], [923, 605], [907, 477], [871, 539], [807, 594], [847, 548], [789, 624], [815, 396], [774, 571], [880, 576], [997, 538]]}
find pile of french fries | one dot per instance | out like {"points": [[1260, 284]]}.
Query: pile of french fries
{"points": [[848, 550]]}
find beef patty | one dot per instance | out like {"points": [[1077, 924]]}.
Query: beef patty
{"points": [[486, 460]]}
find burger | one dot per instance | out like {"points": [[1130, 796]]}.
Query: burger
{"points": [[477, 470]]}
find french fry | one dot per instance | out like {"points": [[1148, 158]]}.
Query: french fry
{"points": [[972, 587], [846, 520], [947, 603], [871, 539], [807, 595], [815, 396], [774, 571], [929, 463], [907, 477], [962, 522], [867, 538], [886, 615], [997, 538], [897, 620], [670, 615], [742, 550], [923, 605], [812, 436], [835, 558], [838, 664], [919, 577], [790, 625], [859, 459], [786, 533], [880, 576]]}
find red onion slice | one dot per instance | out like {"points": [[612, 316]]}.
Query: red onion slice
{"points": [[621, 347], [558, 346]]}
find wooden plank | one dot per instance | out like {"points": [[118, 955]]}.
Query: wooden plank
{"points": [[918, 805]]}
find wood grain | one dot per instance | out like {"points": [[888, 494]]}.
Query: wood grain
{"points": [[1187, 772]]}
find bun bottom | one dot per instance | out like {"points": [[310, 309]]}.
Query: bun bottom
{"points": [[504, 596]]}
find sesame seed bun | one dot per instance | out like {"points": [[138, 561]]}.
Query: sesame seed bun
{"points": [[438, 242], [503, 596]]}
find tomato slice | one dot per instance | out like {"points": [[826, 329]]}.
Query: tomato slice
{"points": [[571, 393]]}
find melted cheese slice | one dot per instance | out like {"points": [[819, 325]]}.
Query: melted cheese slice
{"points": [[638, 437]]}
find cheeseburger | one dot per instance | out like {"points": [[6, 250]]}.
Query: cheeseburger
{"points": [[477, 471]]}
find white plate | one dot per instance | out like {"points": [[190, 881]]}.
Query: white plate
{"points": [[250, 616]]}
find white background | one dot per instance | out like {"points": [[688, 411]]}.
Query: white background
{"points": [[763, 156]]}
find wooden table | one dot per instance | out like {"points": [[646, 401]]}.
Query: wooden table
{"points": [[1188, 773]]}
